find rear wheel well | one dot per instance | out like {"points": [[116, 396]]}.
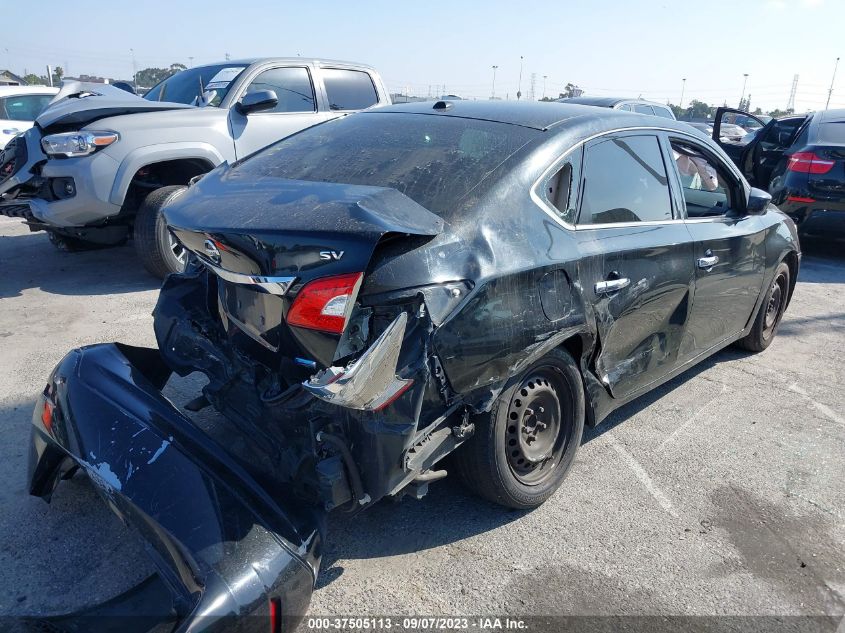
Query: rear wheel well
{"points": [[156, 175], [576, 346]]}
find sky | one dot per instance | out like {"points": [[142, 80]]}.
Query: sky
{"points": [[624, 48]]}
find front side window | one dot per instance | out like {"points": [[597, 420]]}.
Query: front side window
{"points": [[23, 107], [707, 188], [625, 181], [292, 87], [562, 188], [349, 89]]}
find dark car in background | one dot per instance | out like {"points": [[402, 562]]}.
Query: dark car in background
{"points": [[377, 292], [640, 106], [800, 160]]}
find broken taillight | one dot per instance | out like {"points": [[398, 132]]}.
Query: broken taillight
{"points": [[809, 163], [325, 304]]}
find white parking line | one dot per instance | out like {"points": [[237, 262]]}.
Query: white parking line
{"points": [[692, 418], [643, 476], [822, 408]]}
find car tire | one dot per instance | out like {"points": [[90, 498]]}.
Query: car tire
{"points": [[770, 312], [156, 247], [501, 462]]}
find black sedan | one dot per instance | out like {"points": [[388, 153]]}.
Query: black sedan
{"points": [[377, 292], [800, 160]]}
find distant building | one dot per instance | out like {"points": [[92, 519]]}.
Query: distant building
{"points": [[8, 78]]}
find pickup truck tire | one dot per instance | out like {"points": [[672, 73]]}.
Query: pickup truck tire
{"points": [[158, 251], [523, 448], [769, 315]]}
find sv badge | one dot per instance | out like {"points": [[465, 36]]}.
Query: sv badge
{"points": [[331, 255]]}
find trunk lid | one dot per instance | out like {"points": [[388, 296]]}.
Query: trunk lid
{"points": [[266, 238], [79, 103]]}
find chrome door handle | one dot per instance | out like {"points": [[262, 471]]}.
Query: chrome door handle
{"points": [[12, 130], [611, 285], [708, 262]]}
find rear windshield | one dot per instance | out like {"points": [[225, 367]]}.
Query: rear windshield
{"points": [[832, 133], [187, 86], [434, 160]]}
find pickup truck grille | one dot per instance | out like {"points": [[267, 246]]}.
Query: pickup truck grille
{"points": [[12, 158]]}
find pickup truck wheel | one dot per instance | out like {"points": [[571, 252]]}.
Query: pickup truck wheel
{"points": [[157, 249], [770, 313], [523, 448]]}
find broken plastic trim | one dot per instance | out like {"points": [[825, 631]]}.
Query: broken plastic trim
{"points": [[369, 383]]}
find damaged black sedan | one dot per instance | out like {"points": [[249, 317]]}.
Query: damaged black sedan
{"points": [[377, 292]]}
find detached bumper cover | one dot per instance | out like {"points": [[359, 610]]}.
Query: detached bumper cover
{"points": [[224, 548]]}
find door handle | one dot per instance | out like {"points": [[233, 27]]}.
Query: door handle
{"points": [[611, 285], [12, 130], [707, 262]]}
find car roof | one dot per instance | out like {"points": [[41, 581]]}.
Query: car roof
{"points": [[538, 115], [11, 91], [249, 61]]}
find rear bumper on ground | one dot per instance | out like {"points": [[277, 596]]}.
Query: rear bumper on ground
{"points": [[226, 551]]}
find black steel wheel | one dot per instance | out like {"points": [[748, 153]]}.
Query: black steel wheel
{"points": [[770, 313], [523, 448]]}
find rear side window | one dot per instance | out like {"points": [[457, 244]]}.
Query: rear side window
{"points": [[666, 113], [562, 188], [625, 181], [434, 160], [349, 89], [292, 87], [643, 109]]}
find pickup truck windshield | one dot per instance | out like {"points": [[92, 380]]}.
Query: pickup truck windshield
{"points": [[434, 160], [188, 86]]}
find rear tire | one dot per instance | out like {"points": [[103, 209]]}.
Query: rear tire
{"points": [[523, 448], [770, 313], [157, 249]]}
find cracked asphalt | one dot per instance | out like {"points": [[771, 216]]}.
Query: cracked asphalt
{"points": [[721, 493]]}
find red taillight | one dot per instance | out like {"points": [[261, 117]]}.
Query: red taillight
{"points": [[47, 416], [324, 304], [809, 163], [275, 615]]}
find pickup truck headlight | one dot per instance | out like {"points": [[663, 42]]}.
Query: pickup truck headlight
{"points": [[77, 143]]}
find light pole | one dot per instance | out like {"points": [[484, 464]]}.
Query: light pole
{"points": [[519, 88], [744, 81], [832, 79], [493, 94], [544, 86], [683, 88], [190, 62], [134, 69]]}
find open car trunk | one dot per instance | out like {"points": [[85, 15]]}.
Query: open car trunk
{"points": [[225, 547]]}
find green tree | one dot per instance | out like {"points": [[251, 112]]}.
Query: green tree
{"points": [[33, 79], [149, 77]]}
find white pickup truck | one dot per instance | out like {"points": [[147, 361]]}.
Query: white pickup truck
{"points": [[100, 162]]}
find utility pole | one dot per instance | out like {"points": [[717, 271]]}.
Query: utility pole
{"points": [[832, 79], [190, 62], [519, 88], [227, 57], [493, 94], [134, 69], [544, 86], [790, 106], [533, 84], [683, 89], [744, 81]]}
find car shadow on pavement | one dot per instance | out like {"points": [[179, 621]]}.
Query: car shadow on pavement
{"points": [[823, 262], [29, 261]]}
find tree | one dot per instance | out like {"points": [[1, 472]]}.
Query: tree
{"points": [[33, 79], [149, 77], [698, 110]]}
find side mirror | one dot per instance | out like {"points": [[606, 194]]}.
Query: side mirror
{"points": [[258, 100], [758, 202]]}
